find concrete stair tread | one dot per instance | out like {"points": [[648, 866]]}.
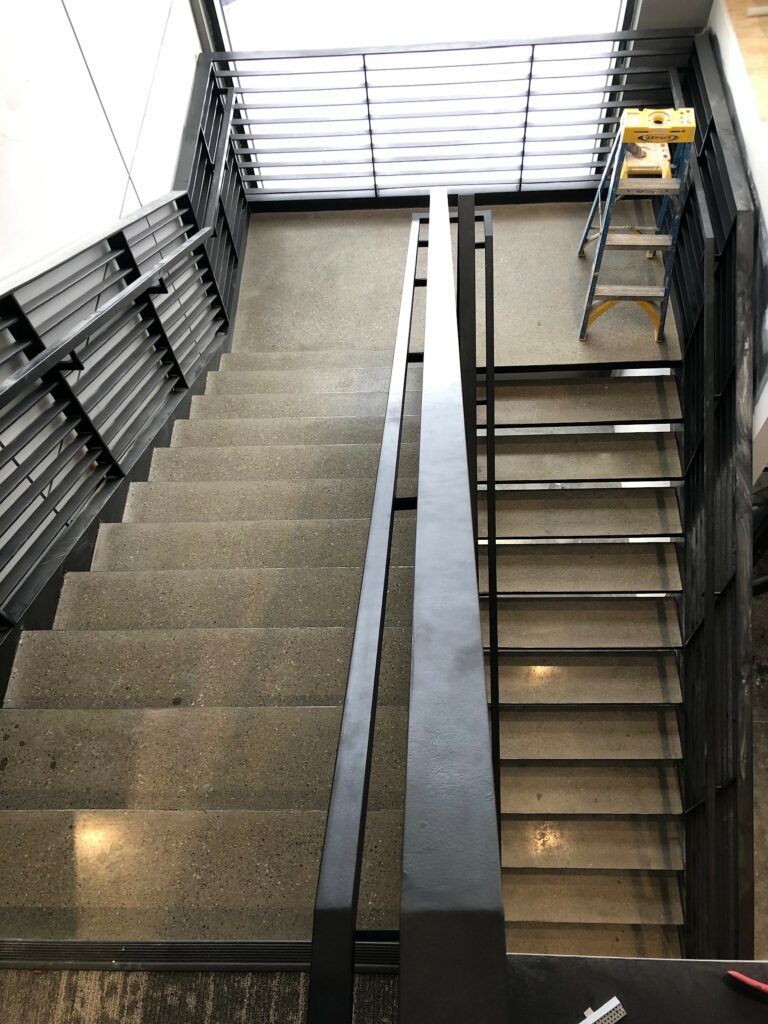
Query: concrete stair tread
{"points": [[635, 734], [291, 403], [583, 568], [151, 875], [179, 599], [604, 623], [263, 758], [592, 679], [152, 668], [243, 357], [251, 500], [656, 941], [310, 381], [561, 790], [598, 400], [274, 462], [221, 433], [601, 898], [610, 844], [602, 512], [634, 240], [559, 458], [243, 545]]}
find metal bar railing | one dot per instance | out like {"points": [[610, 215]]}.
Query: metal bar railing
{"points": [[20, 381], [528, 95], [452, 946], [335, 917]]}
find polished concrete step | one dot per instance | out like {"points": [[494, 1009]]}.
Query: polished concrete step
{"points": [[234, 758], [587, 512], [283, 404], [221, 433], [275, 462], [171, 875], [605, 624], [588, 679], [152, 668], [312, 381], [248, 500], [635, 734], [563, 789], [582, 568], [606, 897], [610, 844], [656, 941], [161, 599], [563, 457], [245, 358], [598, 400], [244, 545]]}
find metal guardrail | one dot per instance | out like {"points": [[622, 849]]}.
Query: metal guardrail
{"points": [[390, 122], [713, 294], [96, 353]]}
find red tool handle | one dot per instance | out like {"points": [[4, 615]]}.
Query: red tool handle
{"points": [[752, 983]]}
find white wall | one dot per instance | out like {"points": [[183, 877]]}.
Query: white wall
{"points": [[93, 96]]}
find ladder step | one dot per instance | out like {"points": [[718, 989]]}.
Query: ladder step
{"points": [[649, 186], [646, 292], [634, 241]]}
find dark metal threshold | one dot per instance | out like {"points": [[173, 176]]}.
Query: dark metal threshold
{"points": [[198, 955]]}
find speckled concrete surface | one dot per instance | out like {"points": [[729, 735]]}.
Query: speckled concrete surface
{"points": [[638, 789], [184, 599], [168, 747], [354, 357], [190, 874], [609, 844], [584, 457], [607, 734], [204, 667], [313, 380], [243, 545], [585, 513], [313, 280], [537, 319], [220, 758], [361, 403], [207, 501], [608, 622], [318, 430], [171, 997], [584, 568], [275, 462], [615, 897], [588, 679], [604, 400]]}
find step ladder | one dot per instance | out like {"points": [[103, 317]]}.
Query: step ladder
{"points": [[640, 166]]}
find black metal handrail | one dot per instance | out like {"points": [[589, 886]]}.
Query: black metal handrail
{"points": [[335, 917], [452, 925], [452, 946]]}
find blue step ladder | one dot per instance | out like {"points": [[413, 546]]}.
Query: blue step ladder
{"points": [[639, 166]]}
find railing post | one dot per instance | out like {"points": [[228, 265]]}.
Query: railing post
{"points": [[466, 305]]}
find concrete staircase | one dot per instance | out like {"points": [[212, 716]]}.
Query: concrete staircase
{"points": [[167, 748], [587, 578]]}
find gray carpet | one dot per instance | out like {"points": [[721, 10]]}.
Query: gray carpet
{"points": [[141, 997]]}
